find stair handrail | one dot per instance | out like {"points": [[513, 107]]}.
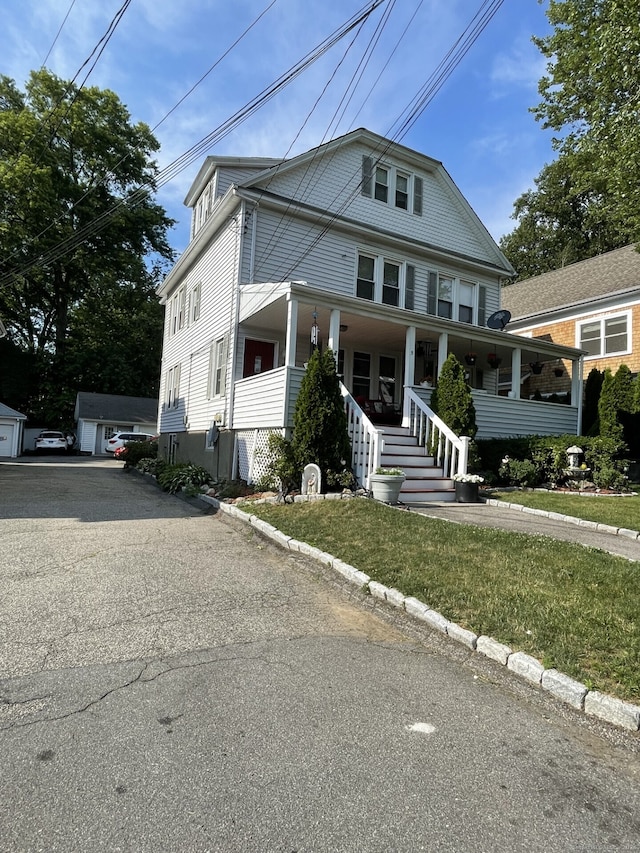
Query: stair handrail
{"points": [[450, 451], [365, 438]]}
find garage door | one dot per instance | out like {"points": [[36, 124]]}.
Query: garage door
{"points": [[6, 439]]}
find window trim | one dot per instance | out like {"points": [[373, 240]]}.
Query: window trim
{"points": [[379, 263], [602, 320], [218, 358]]}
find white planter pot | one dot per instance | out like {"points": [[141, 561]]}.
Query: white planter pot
{"points": [[386, 487]]}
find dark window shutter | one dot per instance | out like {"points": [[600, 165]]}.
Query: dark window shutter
{"points": [[482, 305], [410, 288], [417, 195], [367, 175], [432, 293]]}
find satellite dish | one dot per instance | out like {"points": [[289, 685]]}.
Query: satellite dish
{"points": [[499, 319]]}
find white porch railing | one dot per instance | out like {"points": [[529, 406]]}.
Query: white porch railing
{"points": [[450, 451], [366, 440]]}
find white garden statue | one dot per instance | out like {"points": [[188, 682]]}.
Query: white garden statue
{"points": [[311, 480]]}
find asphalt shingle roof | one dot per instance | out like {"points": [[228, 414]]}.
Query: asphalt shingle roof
{"points": [[116, 408], [7, 412], [604, 275]]}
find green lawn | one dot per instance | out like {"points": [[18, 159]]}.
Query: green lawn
{"points": [[618, 511], [573, 608]]}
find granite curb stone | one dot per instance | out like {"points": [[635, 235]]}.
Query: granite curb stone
{"points": [[607, 708]]}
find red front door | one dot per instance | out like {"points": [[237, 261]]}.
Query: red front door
{"points": [[258, 357]]}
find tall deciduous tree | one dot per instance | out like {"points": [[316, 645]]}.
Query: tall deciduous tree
{"points": [[78, 225], [589, 200]]}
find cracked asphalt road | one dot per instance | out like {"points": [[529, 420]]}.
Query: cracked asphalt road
{"points": [[171, 682]]}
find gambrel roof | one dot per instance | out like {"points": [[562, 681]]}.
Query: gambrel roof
{"points": [[615, 273]]}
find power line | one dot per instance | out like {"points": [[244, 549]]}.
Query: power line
{"points": [[182, 162], [57, 35]]}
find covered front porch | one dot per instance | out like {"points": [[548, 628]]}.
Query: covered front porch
{"points": [[382, 351]]}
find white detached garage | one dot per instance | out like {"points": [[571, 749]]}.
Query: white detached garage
{"points": [[11, 426]]}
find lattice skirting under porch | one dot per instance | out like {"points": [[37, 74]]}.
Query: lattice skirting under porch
{"points": [[253, 453]]}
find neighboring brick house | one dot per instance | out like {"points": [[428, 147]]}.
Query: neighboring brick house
{"points": [[593, 305]]}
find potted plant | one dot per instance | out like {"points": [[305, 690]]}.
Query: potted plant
{"points": [[467, 487], [494, 360], [386, 484], [470, 358]]}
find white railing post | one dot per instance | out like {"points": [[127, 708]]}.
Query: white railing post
{"points": [[451, 452], [463, 454]]}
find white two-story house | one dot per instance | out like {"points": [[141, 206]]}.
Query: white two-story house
{"points": [[360, 245]]}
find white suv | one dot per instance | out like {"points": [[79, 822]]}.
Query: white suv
{"points": [[119, 439]]}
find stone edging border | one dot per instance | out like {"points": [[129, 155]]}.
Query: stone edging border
{"points": [[623, 714], [569, 519]]}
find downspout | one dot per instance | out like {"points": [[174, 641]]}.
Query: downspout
{"points": [[233, 323]]}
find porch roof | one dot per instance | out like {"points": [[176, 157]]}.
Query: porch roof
{"points": [[264, 305]]}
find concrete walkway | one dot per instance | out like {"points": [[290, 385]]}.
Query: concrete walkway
{"points": [[505, 516]]}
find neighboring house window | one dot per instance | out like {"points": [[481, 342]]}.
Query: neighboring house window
{"points": [[382, 280], [196, 294], [605, 336], [172, 388], [218, 367]]}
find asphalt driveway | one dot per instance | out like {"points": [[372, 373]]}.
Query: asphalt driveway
{"points": [[171, 682]]}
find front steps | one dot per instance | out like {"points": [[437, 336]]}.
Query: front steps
{"points": [[425, 483]]}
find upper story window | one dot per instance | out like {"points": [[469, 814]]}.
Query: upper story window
{"points": [[382, 280], [196, 298], [604, 336], [455, 299], [391, 185], [177, 305], [402, 191], [382, 184]]}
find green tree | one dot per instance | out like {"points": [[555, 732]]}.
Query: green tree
{"points": [[616, 402], [451, 399], [588, 201], [592, 389], [78, 225], [561, 221], [320, 422]]}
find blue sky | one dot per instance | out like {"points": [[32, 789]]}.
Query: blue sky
{"points": [[478, 124]]}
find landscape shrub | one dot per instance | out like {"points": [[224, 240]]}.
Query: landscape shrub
{"points": [[133, 452], [183, 475]]}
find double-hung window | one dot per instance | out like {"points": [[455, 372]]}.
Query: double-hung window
{"points": [[380, 279], [392, 186], [466, 299], [391, 283], [382, 184], [172, 387], [366, 284], [196, 297], [445, 297], [177, 311], [604, 336], [218, 367]]}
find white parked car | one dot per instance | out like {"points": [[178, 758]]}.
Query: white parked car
{"points": [[51, 441], [119, 439]]}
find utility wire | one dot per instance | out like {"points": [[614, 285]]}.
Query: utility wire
{"points": [[173, 169], [57, 36]]}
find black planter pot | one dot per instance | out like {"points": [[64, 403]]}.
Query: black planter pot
{"points": [[467, 493]]}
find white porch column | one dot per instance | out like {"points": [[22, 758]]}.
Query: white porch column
{"points": [[577, 368], [516, 365], [410, 356], [443, 346], [292, 333], [334, 332]]}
